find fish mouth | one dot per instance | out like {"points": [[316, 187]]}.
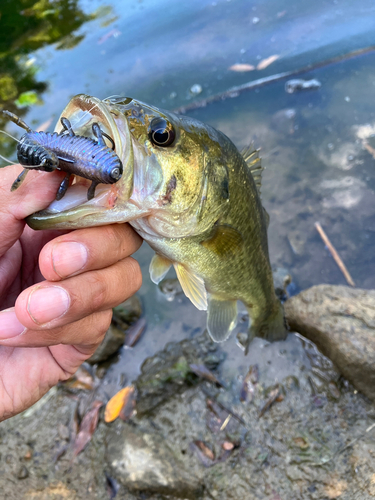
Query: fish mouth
{"points": [[74, 209]]}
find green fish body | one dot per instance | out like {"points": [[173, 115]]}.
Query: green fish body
{"points": [[193, 197]]}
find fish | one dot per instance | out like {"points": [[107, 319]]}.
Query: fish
{"points": [[193, 197]]}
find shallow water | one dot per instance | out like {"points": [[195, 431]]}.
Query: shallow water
{"points": [[311, 141]]}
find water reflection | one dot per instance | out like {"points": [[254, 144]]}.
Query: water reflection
{"points": [[26, 26]]}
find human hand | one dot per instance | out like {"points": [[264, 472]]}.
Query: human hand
{"points": [[54, 315]]}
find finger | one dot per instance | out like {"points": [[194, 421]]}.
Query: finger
{"points": [[86, 250], [85, 334], [48, 305], [36, 192]]}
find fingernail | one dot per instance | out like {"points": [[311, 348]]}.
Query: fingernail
{"points": [[9, 325], [47, 303], [68, 258]]}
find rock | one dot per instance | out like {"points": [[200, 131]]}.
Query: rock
{"points": [[169, 372], [113, 340], [124, 315], [341, 322], [144, 462], [281, 280], [297, 84], [127, 313], [23, 473], [170, 287]]}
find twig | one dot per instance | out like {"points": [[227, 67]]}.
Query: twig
{"points": [[344, 448], [334, 254], [226, 422], [237, 90], [234, 415]]}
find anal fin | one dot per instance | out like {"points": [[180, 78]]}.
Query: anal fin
{"points": [[193, 286], [159, 266], [222, 318]]}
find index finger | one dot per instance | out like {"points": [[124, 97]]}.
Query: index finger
{"points": [[87, 249]]}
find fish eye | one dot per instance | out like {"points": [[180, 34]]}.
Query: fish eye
{"points": [[116, 173], [161, 132]]}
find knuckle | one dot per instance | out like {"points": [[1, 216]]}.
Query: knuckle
{"points": [[134, 274], [98, 295], [128, 240], [102, 322]]}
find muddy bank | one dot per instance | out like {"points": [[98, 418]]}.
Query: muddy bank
{"points": [[305, 436]]}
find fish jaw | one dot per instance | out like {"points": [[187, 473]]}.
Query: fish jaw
{"points": [[111, 203]]}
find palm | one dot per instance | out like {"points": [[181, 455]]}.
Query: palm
{"points": [[24, 372]]}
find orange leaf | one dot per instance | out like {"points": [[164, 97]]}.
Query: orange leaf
{"points": [[241, 67], [266, 62], [116, 403]]}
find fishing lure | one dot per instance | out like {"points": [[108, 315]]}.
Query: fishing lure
{"points": [[70, 153]]}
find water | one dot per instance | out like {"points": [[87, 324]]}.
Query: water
{"points": [[312, 142]]}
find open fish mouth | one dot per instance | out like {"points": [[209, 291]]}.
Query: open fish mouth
{"points": [[82, 112]]}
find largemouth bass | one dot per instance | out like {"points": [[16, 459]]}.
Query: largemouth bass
{"points": [[193, 197]]}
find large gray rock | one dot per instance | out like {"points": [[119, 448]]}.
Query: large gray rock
{"points": [[341, 322], [143, 462]]}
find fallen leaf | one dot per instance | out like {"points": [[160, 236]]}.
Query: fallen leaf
{"points": [[266, 62], [240, 68], [87, 427], [301, 443], [82, 379], [128, 409], [272, 398], [205, 449], [335, 489], [134, 332], [113, 33], [112, 486], [370, 149], [203, 372], [203, 452], [117, 403], [249, 383]]}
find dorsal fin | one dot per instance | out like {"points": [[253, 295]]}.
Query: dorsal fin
{"points": [[251, 157]]}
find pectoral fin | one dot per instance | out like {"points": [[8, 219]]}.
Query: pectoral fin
{"points": [[222, 318], [159, 266], [224, 241], [193, 286]]}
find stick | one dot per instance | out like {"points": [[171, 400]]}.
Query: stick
{"points": [[334, 254]]}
